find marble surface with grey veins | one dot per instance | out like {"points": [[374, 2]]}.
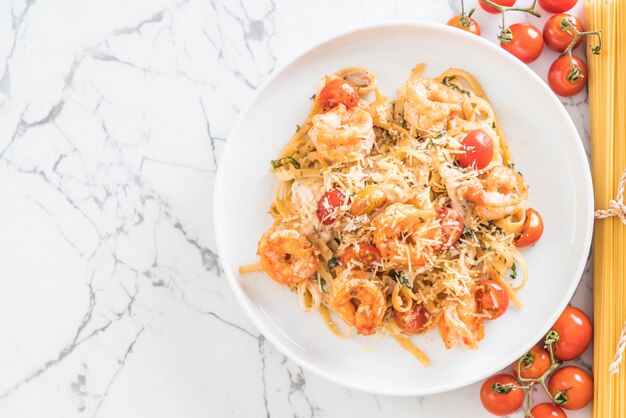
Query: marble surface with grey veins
{"points": [[113, 116]]}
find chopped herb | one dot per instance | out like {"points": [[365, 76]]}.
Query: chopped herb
{"points": [[403, 280], [422, 220], [298, 128], [284, 161], [507, 216], [511, 165], [520, 173], [353, 293], [493, 125], [440, 134], [468, 233], [324, 285], [313, 97], [514, 270], [446, 82], [333, 262], [430, 144]]}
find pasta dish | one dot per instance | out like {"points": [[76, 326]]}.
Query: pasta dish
{"points": [[399, 216]]}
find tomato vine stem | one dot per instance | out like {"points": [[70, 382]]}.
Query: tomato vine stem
{"points": [[575, 71], [505, 34], [527, 384]]}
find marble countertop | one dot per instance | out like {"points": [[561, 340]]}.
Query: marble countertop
{"points": [[113, 115]]}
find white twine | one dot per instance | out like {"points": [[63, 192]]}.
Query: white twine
{"points": [[617, 208]]}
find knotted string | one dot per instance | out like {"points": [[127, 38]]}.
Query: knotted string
{"points": [[617, 208]]}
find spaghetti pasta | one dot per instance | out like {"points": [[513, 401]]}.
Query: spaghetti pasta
{"points": [[607, 104], [387, 213]]}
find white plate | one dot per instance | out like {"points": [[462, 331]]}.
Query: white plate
{"points": [[547, 150]]}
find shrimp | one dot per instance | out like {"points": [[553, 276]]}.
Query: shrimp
{"points": [[502, 192], [287, 256], [358, 300], [404, 234], [342, 135], [460, 324], [430, 105]]}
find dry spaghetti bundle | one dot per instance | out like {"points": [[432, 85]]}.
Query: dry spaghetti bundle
{"points": [[607, 103]]}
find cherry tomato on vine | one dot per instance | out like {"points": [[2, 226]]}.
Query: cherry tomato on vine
{"points": [[451, 225], [557, 38], [328, 205], [478, 149], [561, 70], [532, 229], [557, 6], [472, 27], [490, 9], [362, 253], [572, 387], [336, 92], [501, 404], [534, 363], [575, 331], [547, 410], [412, 321], [491, 299], [527, 42]]}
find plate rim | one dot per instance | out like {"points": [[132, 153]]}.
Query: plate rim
{"points": [[228, 149]]}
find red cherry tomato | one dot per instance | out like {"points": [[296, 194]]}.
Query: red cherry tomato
{"points": [[547, 410], [491, 299], [557, 38], [338, 91], [534, 363], [572, 387], [557, 6], [527, 42], [575, 332], [501, 404], [328, 205], [473, 27], [558, 75], [412, 321], [490, 9], [363, 253], [478, 150], [451, 225], [532, 230]]}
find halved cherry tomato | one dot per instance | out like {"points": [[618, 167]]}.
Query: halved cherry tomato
{"points": [[501, 404], [572, 387], [412, 321], [473, 27], [532, 229], [451, 225], [490, 9], [559, 72], [363, 253], [478, 150], [338, 91], [557, 38], [328, 205], [575, 332], [527, 42], [491, 299], [367, 200], [557, 6], [547, 410], [534, 363]]}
